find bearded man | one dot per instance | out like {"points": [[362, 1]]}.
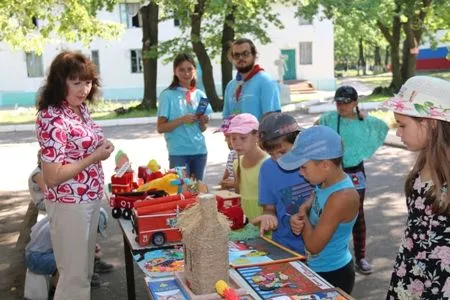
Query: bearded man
{"points": [[253, 90]]}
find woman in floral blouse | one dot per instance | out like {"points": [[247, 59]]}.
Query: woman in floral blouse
{"points": [[72, 148], [422, 266]]}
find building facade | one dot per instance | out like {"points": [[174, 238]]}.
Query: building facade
{"points": [[306, 48]]}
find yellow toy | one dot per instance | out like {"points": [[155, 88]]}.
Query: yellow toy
{"points": [[162, 183], [153, 166]]}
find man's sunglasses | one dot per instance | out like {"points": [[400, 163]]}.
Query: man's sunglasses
{"points": [[341, 100], [237, 55]]}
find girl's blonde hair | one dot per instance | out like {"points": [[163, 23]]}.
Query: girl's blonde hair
{"points": [[436, 156]]}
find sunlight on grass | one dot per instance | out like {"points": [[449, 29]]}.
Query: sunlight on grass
{"points": [[387, 116], [303, 97], [374, 98], [103, 110]]}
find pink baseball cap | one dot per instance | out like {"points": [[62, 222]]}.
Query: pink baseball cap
{"points": [[243, 124], [225, 125]]}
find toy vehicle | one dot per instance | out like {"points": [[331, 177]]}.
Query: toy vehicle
{"points": [[122, 203], [154, 220], [123, 184], [229, 203]]}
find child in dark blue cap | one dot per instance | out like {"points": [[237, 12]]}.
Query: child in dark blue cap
{"points": [[326, 220], [281, 192]]}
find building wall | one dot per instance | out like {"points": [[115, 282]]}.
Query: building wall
{"points": [[118, 82]]}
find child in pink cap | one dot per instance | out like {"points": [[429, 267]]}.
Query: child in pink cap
{"points": [[243, 131]]}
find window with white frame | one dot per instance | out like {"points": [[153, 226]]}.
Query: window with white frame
{"points": [[305, 53], [130, 15], [35, 67], [136, 61]]}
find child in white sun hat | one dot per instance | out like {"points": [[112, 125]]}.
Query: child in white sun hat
{"points": [[422, 266]]}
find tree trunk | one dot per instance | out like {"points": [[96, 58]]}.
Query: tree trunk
{"points": [[413, 35], [202, 56], [227, 38], [386, 58], [377, 68], [393, 39], [408, 61], [150, 14], [17, 268], [361, 59], [377, 56]]}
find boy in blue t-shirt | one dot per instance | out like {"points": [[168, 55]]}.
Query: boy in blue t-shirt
{"points": [[281, 192]]}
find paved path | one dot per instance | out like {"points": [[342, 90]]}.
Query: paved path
{"points": [[385, 204]]}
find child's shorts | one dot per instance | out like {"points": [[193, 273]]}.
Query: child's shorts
{"points": [[40, 262]]}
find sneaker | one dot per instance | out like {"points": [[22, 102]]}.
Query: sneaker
{"points": [[102, 267], [363, 266], [95, 281]]}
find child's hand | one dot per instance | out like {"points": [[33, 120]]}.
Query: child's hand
{"points": [[266, 223], [297, 222], [227, 183], [188, 118], [203, 119]]}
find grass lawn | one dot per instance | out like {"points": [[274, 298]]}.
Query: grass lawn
{"points": [[384, 79], [104, 110]]}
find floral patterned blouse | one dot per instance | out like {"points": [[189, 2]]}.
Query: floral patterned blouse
{"points": [[422, 266], [64, 138]]}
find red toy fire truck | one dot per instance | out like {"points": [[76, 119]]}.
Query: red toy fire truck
{"points": [[154, 220]]}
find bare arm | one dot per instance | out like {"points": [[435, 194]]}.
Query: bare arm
{"points": [[342, 207], [163, 125], [57, 173], [204, 119]]}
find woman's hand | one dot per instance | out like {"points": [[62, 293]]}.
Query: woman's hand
{"points": [[104, 150]]}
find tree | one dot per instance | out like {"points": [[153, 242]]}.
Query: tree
{"points": [[208, 26], [150, 20], [397, 20], [30, 25]]}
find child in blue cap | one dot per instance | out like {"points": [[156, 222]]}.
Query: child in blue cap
{"points": [[326, 220]]}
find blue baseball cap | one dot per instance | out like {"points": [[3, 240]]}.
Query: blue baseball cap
{"points": [[315, 143]]}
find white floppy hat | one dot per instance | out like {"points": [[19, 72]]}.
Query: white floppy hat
{"points": [[424, 97]]}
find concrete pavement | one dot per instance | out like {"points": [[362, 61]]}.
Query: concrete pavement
{"points": [[385, 203]]}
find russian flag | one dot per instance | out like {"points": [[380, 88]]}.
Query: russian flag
{"points": [[433, 59]]}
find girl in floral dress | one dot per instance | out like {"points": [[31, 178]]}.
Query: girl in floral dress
{"points": [[422, 266]]}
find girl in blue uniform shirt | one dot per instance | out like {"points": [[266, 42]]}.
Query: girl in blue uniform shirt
{"points": [[178, 120]]}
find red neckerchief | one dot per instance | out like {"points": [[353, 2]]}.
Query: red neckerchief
{"points": [[188, 93], [240, 82]]}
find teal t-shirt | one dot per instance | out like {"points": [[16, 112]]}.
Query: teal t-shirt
{"points": [[259, 95], [186, 139], [336, 253], [361, 138]]}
